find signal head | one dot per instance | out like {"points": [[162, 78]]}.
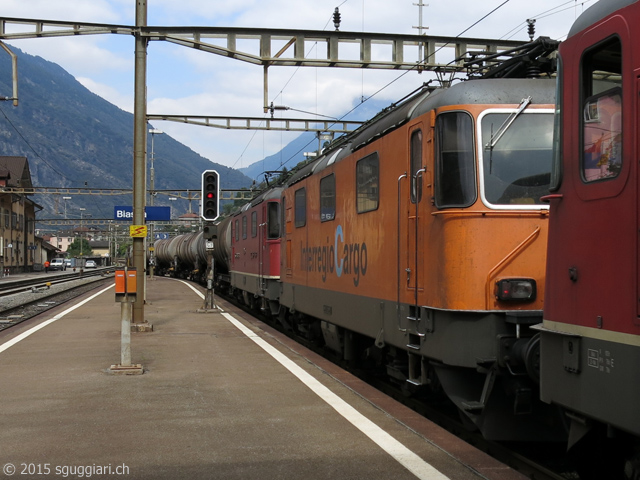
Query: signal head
{"points": [[210, 194]]}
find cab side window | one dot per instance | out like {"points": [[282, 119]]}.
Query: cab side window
{"points": [[273, 215], [328, 198], [455, 160], [368, 183], [602, 112], [254, 224], [300, 206], [416, 166]]}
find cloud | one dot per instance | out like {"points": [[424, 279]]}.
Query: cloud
{"points": [[95, 11]]}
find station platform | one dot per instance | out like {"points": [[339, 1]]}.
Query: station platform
{"points": [[222, 396]]}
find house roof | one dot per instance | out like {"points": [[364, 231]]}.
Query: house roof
{"points": [[47, 246], [99, 244], [18, 171]]}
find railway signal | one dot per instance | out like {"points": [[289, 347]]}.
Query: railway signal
{"points": [[210, 195], [209, 232]]}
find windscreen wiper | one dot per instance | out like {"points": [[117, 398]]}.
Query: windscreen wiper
{"points": [[495, 138]]}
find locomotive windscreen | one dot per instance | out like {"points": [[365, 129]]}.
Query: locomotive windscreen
{"points": [[517, 167]]}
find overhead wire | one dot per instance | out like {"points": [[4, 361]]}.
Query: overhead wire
{"points": [[364, 99], [401, 75], [315, 45], [30, 146], [547, 13]]}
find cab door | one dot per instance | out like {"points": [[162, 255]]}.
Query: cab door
{"points": [[412, 259], [415, 275]]}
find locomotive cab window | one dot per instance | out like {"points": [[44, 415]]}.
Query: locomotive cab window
{"points": [[556, 162], [273, 219], [368, 183], [254, 224], [517, 151], [602, 112], [455, 171], [300, 208], [283, 217], [416, 165], [328, 198]]}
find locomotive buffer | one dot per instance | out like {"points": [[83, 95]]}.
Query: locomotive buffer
{"points": [[209, 211]]}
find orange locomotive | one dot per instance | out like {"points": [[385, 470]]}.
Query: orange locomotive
{"points": [[419, 242], [417, 245]]}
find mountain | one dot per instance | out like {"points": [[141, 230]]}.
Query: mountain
{"points": [[74, 138], [288, 157]]}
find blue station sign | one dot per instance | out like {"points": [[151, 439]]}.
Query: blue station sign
{"points": [[150, 213]]}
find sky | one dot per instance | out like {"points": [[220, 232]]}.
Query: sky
{"points": [[184, 81]]}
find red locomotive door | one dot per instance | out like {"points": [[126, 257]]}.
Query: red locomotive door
{"points": [[262, 244], [598, 218]]}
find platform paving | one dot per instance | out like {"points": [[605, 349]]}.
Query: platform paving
{"points": [[211, 404]]}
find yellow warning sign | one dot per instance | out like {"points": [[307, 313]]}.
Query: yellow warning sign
{"points": [[137, 230]]}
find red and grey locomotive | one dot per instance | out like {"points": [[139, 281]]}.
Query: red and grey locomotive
{"points": [[590, 336]]}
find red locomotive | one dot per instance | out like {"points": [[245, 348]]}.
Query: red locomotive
{"points": [[254, 239], [590, 337]]}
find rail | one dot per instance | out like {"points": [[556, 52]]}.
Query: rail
{"points": [[13, 287]]}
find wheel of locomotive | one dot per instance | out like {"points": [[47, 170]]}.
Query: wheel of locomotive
{"points": [[532, 359], [248, 300]]}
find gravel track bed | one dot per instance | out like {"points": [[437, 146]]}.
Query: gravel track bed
{"points": [[22, 306]]}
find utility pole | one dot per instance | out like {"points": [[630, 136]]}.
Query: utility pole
{"points": [[152, 187], [140, 163], [420, 28]]}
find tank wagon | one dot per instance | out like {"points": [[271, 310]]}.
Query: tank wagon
{"points": [[183, 256]]}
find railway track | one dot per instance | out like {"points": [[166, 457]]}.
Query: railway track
{"points": [[11, 287], [23, 299]]}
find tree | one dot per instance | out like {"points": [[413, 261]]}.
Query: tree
{"points": [[78, 247], [123, 249]]}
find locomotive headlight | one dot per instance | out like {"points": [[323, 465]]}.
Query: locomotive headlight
{"points": [[516, 289]]}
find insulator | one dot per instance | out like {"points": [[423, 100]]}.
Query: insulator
{"points": [[534, 71], [336, 18], [532, 28]]}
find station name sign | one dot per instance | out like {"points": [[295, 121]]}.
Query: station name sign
{"points": [[150, 213]]}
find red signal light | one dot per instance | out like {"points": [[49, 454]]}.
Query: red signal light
{"points": [[210, 195]]}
